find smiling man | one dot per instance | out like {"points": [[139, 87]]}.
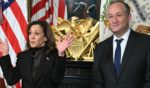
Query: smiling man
{"points": [[123, 60]]}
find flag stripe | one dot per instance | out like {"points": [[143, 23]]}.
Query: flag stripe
{"points": [[39, 9], [21, 20], [50, 12], [61, 8], [39, 14], [34, 2], [10, 35], [14, 25], [23, 9], [55, 12], [65, 13], [13, 28], [40, 5], [45, 16]]}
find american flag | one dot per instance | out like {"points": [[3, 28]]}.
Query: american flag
{"points": [[48, 10], [13, 27]]}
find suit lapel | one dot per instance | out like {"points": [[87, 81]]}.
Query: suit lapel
{"points": [[128, 51]]}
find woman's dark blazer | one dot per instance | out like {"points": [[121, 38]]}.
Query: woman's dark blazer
{"points": [[49, 74]]}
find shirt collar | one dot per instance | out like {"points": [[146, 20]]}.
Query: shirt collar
{"points": [[124, 37]]}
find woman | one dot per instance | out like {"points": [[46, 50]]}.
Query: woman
{"points": [[42, 65]]}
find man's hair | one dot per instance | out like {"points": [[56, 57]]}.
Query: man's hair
{"points": [[127, 7]]}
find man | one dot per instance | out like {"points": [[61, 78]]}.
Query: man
{"points": [[123, 64]]}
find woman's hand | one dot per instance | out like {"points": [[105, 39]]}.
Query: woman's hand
{"points": [[62, 45], [4, 49]]}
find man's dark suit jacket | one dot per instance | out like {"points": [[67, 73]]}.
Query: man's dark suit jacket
{"points": [[135, 65], [49, 75]]}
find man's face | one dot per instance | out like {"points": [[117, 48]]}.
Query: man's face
{"points": [[118, 18]]}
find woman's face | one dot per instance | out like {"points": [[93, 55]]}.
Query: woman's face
{"points": [[36, 36]]}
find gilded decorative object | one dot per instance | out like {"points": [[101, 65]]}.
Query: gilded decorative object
{"points": [[86, 32], [143, 29]]}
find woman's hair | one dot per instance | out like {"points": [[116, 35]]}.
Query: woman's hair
{"points": [[48, 33]]}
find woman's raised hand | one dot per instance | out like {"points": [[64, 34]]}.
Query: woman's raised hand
{"points": [[63, 44], [4, 49]]}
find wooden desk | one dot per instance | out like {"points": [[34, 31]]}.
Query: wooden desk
{"points": [[77, 75]]}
